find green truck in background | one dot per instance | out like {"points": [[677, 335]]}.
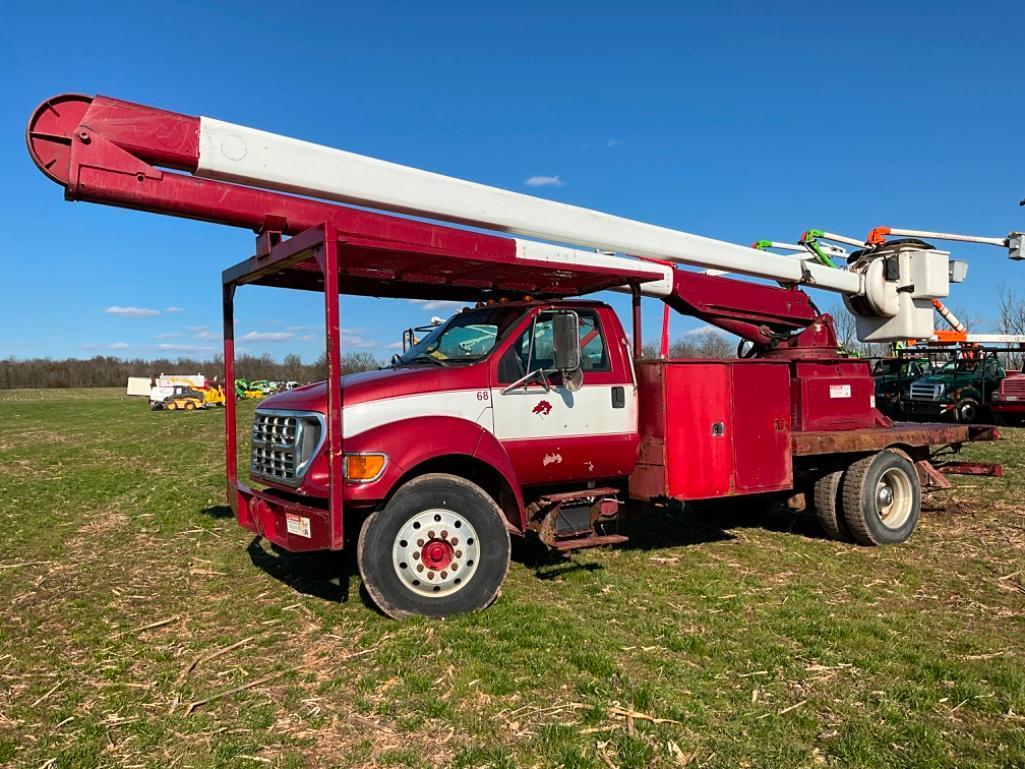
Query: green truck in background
{"points": [[960, 389]]}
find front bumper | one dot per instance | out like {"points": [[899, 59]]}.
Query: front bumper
{"points": [[286, 522], [1007, 407], [927, 408]]}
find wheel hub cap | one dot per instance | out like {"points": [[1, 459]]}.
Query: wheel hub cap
{"points": [[885, 496], [436, 553], [894, 499]]}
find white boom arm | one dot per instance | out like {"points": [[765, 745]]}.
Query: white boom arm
{"points": [[234, 153], [891, 303]]}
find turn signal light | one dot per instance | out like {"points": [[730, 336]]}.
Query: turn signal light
{"points": [[363, 467]]}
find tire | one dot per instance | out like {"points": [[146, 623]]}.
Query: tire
{"points": [[171, 406], [826, 501], [871, 519], [189, 406], [966, 411], [468, 544]]}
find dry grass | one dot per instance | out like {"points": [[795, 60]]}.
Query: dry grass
{"points": [[141, 627]]}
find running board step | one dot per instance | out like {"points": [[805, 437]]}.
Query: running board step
{"points": [[574, 519], [595, 541]]}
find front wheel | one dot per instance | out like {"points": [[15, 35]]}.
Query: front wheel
{"points": [[439, 547], [966, 411]]}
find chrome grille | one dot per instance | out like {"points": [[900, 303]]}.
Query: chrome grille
{"points": [[923, 391], [284, 443]]}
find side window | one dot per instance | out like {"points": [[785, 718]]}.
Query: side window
{"points": [[593, 354], [521, 359]]}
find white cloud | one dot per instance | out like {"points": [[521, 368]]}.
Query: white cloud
{"points": [[354, 338], [173, 309], [184, 348], [438, 304], [613, 142], [131, 312], [545, 181], [204, 334], [114, 346], [168, 335], [268, 336], [701, 330], [394, 346]]}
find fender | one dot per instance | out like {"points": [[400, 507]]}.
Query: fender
{"points": [[413, 442]]}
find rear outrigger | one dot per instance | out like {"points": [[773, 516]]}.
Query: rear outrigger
{"points": [[532, 410]]}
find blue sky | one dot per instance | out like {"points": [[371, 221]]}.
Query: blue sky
{"points": [[736, 120]]}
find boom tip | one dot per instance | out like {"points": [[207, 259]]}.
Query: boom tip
{"points": [[50, 131]]}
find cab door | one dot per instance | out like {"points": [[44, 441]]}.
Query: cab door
{"points": [[554, 435]]}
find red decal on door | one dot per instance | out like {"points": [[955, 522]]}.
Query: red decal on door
{"points": [[544, 408]]}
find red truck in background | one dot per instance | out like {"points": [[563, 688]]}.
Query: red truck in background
{"points": [[532, 411], [1008, 403]]}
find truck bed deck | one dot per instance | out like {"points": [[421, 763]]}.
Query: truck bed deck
{"points": [[877, 438]]}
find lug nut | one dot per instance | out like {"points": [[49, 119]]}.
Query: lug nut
{"points": [[430, 535], [459, 553], [454, 541], [419, 567], [430, 575], [419, 543], [444, 575], [444, 535]]}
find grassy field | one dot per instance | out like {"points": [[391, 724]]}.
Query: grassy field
{"points": [[139, 626]]}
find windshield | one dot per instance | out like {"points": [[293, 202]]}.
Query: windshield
{"points": [[467, 336], [967, 365]]}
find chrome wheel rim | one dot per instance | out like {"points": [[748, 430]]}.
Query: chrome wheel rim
{"points": [[436, 553], [894, 498]]}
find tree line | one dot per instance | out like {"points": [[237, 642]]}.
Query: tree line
{"points": [[110, 371]]}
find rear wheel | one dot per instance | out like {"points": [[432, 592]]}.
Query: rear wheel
{"points": [[439, 547], [189, 405], [881, 498], [826, 501]]}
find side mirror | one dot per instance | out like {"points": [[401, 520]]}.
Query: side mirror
{"points": [[566, 343]]}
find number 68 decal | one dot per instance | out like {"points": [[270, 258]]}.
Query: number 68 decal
{"points": [[483, 395]]}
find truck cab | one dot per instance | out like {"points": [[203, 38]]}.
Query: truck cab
{"points": [[1008, 404], [482, 389]]}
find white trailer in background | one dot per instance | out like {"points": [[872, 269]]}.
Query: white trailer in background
{"points": [[139, 385]]}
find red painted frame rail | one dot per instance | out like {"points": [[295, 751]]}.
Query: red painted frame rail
{"points": [[267, 512]]}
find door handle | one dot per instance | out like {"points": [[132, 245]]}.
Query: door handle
{"points": [[618, 397]]}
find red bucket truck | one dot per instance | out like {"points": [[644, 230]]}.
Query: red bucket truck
{"points": [[532, 410]]}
